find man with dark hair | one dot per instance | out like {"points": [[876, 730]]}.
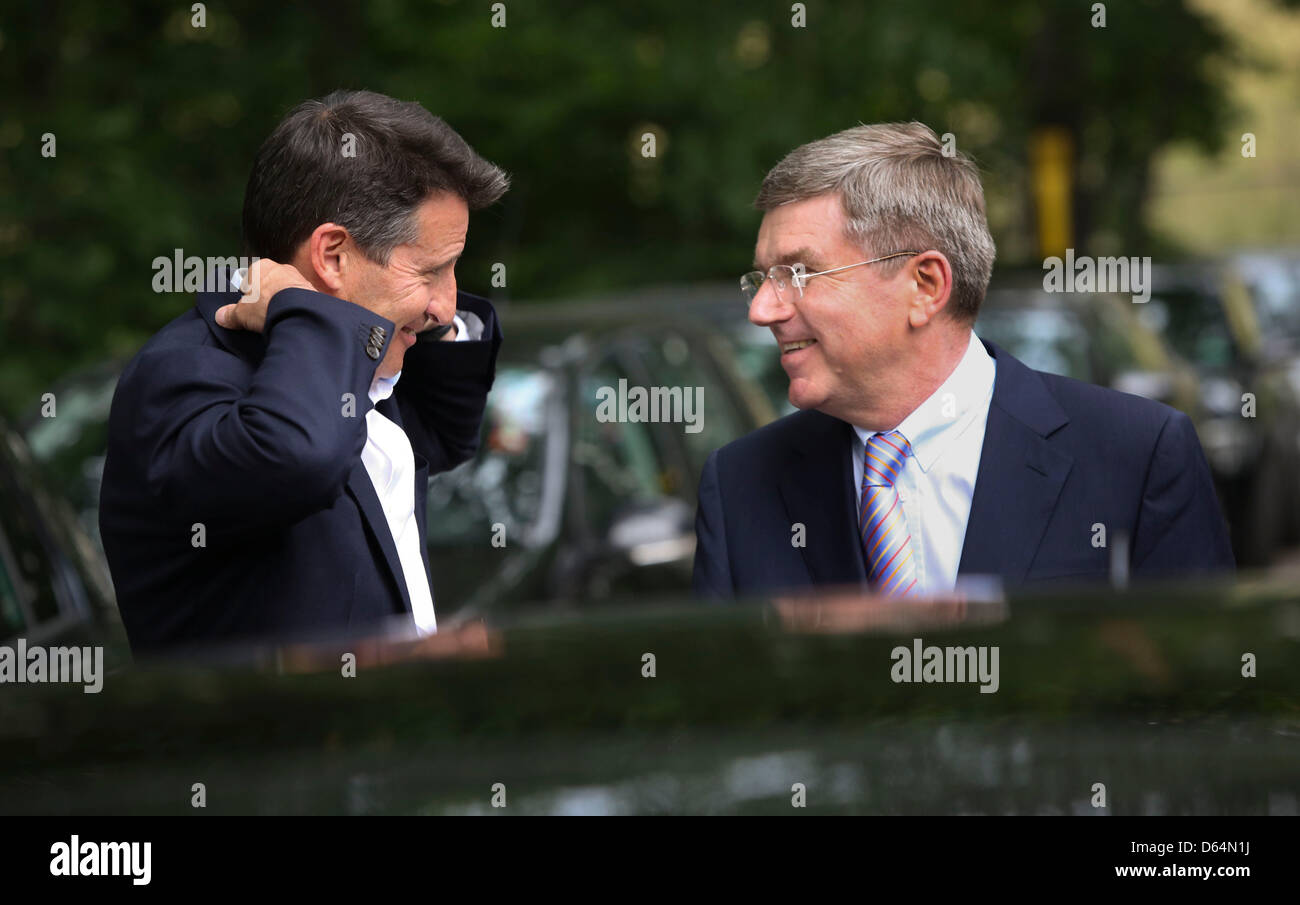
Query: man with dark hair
{"points": [[922, 452], [266, 470]]}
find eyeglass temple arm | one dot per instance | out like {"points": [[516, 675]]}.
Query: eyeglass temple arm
{"points": [[896, 254]]}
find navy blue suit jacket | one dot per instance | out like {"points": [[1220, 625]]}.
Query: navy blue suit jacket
{"points": [[1059, 457], [249, 435]]}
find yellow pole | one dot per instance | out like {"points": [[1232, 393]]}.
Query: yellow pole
{"points": [[1051, 159]]}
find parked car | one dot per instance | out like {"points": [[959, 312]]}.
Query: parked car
{"points": [[68, 441], [1250, 388], [749, 350], [752, 703], [54, 583], [1094, 337], [560, 503], [1143, 348], [1272, 279]]}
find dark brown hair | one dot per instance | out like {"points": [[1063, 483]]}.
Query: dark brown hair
{"points": [[362, 160]]}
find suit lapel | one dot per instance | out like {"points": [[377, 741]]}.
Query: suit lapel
{"points": [[816, 487], [362, 489], [391, 410], [1020, 474]]}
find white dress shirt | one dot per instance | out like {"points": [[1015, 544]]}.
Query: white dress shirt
{"points": [[390, 462], [937, 481]]}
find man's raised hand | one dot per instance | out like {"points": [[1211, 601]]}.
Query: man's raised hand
{"points": [[264, 279]]}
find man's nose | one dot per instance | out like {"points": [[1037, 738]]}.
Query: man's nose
{"points": [[442, 306], [768, 308]]}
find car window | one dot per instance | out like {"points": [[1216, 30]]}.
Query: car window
{"points": [[617, 460], [758, 359], [505, 482], [1193, 323], [673, 362]]}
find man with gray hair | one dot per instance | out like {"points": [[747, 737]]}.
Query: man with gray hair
{"points": [[923, 453]]}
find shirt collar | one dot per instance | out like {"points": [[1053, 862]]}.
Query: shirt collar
{"points": [[382, 387], [942, 417]]}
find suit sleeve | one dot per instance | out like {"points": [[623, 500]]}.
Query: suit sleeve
{"points": [[266, 450], [712, 574], [443, 391], [1180, 528]]}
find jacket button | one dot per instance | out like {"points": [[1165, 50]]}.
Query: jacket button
{"points": [[373, 351]]}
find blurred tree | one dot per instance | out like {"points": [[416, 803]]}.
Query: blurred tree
{"points": [[156, 122]]}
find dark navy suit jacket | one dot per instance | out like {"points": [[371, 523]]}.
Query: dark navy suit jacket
{"points": [[250, 436], [1059, 457]]}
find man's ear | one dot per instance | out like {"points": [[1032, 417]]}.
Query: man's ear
{"points": [[931, 278], [329, 253]]}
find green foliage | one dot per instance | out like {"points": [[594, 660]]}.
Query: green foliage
{"points": [[157, 122]]}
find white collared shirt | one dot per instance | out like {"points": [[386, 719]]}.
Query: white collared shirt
{"points": [[937, 481], [390, 462]]}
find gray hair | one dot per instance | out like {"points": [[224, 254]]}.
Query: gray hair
{"points": [[899, 192]]}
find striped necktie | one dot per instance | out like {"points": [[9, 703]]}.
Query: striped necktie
{"points": [[885, 541]]}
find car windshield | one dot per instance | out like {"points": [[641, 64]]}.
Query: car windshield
{"points": [[504, 483]]}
